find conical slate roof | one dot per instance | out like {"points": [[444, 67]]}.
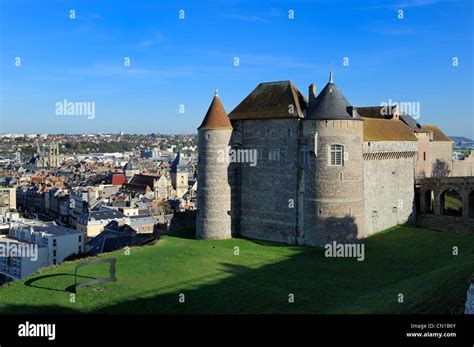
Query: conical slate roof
{"points": [[216, 117], [330, 104]]}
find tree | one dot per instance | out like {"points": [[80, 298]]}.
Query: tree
{"points": [[440, 169]]}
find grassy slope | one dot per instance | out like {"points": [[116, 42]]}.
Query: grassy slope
{"points": [[415, 262]]}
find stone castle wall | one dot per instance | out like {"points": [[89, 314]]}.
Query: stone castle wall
{"points": [[214, 187], [263, 192], [443, 151], [464, 167], [423, 163], [388, 184], [333, 195], [446, 223], [296, 201]]}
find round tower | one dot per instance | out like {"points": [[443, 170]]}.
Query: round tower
{"points": [[334, 178], [213, 186]]}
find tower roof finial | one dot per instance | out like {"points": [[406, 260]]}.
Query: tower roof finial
{"points": [[331, 80], [216, 92]]}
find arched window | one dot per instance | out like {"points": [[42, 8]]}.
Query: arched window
{"points": [[451, 202], [337, 155]]}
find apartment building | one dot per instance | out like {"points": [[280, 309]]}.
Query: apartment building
{"points": [[42, 245]]}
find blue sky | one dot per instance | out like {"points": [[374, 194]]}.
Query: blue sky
{"points": [[176, 61]]}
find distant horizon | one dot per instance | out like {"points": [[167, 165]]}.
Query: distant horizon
{"points": [[158, 133], [99, 133], [141, 66]]}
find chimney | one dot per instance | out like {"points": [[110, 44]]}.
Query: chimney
{"points": [[396, 111], [311, 93], [352, 111]]}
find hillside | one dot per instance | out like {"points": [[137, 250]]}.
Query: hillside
{"points": [[461, 142], [460, 139], [415, 262]]}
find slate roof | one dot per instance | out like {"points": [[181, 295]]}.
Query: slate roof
{"points": [[438, 135], [271, 100], [413, 124], [216, 117], [376, 129], [145, 180], [131, 166], [136, 188], [374, 112], [331, 104], [141, 220], [104, 214], [179, 164]]}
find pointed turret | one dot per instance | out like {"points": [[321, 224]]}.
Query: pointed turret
{"points": [[213, 219], [334, 178], [216, 117], [331, 104]]}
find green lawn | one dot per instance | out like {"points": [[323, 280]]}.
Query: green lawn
{"points": [[416, 263]]}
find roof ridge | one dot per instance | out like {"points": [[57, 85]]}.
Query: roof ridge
{"points": [[270, 100]]}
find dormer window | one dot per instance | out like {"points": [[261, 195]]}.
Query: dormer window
{"points": [[337, 155]]}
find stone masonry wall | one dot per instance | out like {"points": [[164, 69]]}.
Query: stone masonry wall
{"points": [[214, 186], [333, 195], [423, 163], [464, 167], [443, 151], [388, 184], [264, 191], [450, 224]]}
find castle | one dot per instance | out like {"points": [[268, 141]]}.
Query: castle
{"points": [[325, 170]]}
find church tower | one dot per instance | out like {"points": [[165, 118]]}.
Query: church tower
{"points": [[334, 188], [213, 186], [179, 175], [53, 155]]}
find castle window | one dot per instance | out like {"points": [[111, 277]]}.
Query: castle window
{"points": [[288, 132], [337, 155], [304, 157], [424, 156], [274, 154]]}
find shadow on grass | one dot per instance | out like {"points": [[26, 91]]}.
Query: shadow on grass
{"points": [[184, 233], [32, 282], [320, 285]]}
